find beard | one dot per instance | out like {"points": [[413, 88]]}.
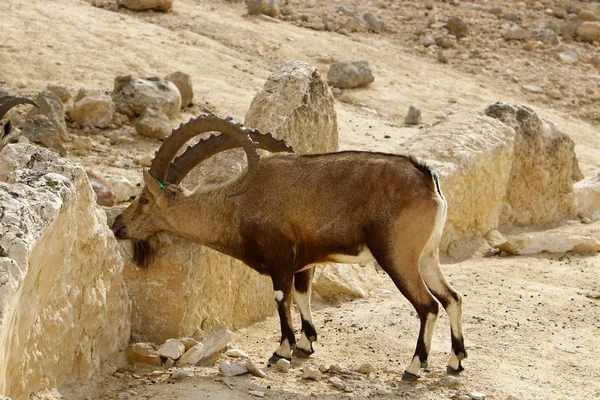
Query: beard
{"points": [[144, 253]]}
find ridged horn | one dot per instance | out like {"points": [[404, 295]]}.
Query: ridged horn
{"points": [[161, 163], [214, 144], [8, 102]]}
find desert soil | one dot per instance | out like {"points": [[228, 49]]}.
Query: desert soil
{"points": [[532, 323]]}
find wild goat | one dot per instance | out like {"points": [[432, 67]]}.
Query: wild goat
{"points": [[290, 212], [6, 103]]}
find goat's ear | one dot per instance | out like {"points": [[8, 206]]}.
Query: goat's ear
{"points": [[153, 186]]}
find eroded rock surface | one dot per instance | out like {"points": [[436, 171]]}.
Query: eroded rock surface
{"points": [[132, 96], [63, 304]]}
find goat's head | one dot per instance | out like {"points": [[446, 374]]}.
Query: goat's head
{"points": [[6, 103], [146, 215]]}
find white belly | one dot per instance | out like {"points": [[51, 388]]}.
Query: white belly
{"points": [[364, 257]]}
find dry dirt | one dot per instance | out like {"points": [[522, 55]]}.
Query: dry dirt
{"points": [[532, 324]]}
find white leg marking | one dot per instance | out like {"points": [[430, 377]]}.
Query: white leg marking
{"points": [[278, 295], [285, 350], [454, 361], [414, 367], [303, 302], [428, 334], [304, 343]]}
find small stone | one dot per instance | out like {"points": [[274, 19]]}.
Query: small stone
{"points": [[559, 12], [453, 382], [179, 373], [477, 396], [283, 365], [350, 387], [554, 93], [335, 368], [373, 22], [142, 353], [510, 397], [146, 5], [61, 91], [236, 353], [497, 11], [513, 16], [516, 33], [546, 36], [172, 348], [337, 382], [145, 161], [184, 83], [588, 15], [169, 363], [427, 40], [444, 42], [266, 7], [568, 56], [532, 88], [124, 190], [311, 372], [124, 396], [349, 74], [93, 111], [323, 368], [254, 370], [256, 393], [153, 124], [232, 369], [457, 27], [366, 369], [589, 31], [441, 57], [83, 92], [413, 117], [216, 341]]}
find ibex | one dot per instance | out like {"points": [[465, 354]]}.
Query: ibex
{"points": [[6, 103], [289, 212]]}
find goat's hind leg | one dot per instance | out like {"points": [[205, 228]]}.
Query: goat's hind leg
{"points": [[282, 285], [450, 299], [302, 293]]}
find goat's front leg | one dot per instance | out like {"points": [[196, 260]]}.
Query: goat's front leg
{"points": [[282, 285], [302, 294]]}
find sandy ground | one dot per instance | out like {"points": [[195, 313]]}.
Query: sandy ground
{"points": [[531, 323]]}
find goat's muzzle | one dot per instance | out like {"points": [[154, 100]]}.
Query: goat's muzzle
{"points": [[118, 228]]}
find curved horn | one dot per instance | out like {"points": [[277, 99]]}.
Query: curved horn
{"points": [[159, 168], [8, 102], [214, 144]]}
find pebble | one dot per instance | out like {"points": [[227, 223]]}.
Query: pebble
{"points": [[283, 365], [413, 117], [179, 373], [477, 396], [253, 369], [311, 372], [366, 368], [124, 396], [256, 393], [232, 369], [457, 27], [442, 57], [59, 90], [568, 56], [337, 382], [453, 382], [532, 88], [324, 369], [236, 353]]}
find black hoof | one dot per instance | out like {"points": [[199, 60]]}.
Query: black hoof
{"points": [[424, 364], [275, 357], [298, 352], [452, 371], [408, 377]]}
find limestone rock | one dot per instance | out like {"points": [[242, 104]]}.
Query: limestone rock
{"points": [[184, 83], [229, 368], [145, 5], [550, 242], [283, 365], [568, 56], [40, 130], [588, 15], [153, 124], [254, 370], [311, 372], [589, 31], [188, 343], [216, 341], [373, 22], [93, 111], [104, 193], [142, 353], [123, 189], [472, 154], [266, 7], [516, 33], [458, 27], [350, 74], [587, 197], [236, 353], [51, 107], [342, 281], [297, 106], [413, 117], [172, 348], [365, 369], [546, 36], [544, 167], [60, 91], [134, 95], [64, 310], [82, 93]]}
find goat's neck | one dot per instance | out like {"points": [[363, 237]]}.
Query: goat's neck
{"points": [[206, 217]]}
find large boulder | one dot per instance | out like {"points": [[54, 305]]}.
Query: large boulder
{"points": [[64, 310], [472, 154], [544, 168], [132, 96]]}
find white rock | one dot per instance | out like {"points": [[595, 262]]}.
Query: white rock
{"points": [[172, 348], [93, 111], [587, 197], [256, 393], [216, 341], [283, 365], [134, 95], [550, 242], [184, 83], [61, 274], [236, 353], [337, 382], [254, 370], [229, 368], [124, 190], [477, 396], [453, 382], [179, 373], [311, 372]]}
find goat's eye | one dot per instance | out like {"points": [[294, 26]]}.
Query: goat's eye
{"points": [[143, 200]]}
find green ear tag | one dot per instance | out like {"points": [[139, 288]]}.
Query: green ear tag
{"points": [[163, 187]]}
